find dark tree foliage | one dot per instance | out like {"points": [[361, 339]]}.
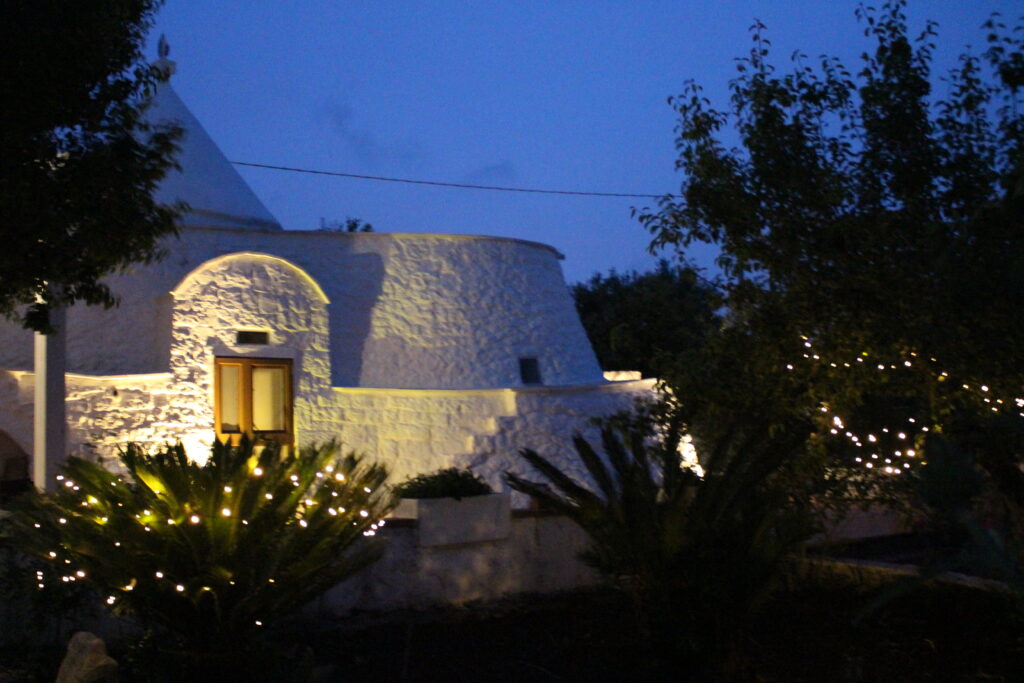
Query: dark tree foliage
{"points": [[646, 321], [348, 225], [871, 232], [698, 553], [78, 165]]}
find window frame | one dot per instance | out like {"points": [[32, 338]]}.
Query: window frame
{"points": [[246, 364]]}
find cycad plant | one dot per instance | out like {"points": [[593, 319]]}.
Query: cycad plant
{"points": [[210, 555], [697, 549]]}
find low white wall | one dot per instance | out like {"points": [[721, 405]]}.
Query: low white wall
{"points": [[540, 555], [411, 431]]}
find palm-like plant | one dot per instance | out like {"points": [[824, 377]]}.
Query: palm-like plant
{"points": [[697, 553], [210, 554]]}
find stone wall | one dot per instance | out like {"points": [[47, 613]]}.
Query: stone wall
{"points": [[404, 347], [416, 432], [250, 292], [412, 431], [539, 555], [406, 311]]}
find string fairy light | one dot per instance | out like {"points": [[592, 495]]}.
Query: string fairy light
{"points": [[316, 490], [913, 431]]}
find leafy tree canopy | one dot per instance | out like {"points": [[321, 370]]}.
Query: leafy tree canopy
{"points": [[643, 321], [78, 165], [348, 225], [871, 231]]}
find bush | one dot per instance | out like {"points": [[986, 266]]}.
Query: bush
{"points": [[36, 623], [448, 483], [697, 553], [210, 555]]}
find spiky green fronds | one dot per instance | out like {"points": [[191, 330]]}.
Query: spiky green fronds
{"points": [[211, 552]]}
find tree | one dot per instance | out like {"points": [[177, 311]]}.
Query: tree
{"points": [[348, 225], [78, 163], [643, 321], [872, 238]]}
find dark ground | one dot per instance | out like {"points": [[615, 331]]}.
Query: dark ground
{"points": [[944, 633]]}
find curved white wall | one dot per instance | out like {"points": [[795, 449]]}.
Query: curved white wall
{"points": [[406, 311]]}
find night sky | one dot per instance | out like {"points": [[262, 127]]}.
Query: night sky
{"points": [[556, 95]]}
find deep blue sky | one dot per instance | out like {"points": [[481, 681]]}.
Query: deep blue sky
{"points": [[556, 94]]}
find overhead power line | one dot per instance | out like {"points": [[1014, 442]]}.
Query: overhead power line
{"points": [[461, 186]]}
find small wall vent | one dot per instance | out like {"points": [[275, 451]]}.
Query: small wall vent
{"points": [[252, 337], [529, 371]]}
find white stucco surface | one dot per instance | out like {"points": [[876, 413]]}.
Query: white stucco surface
{"points": [[404, 347], [406, 311]]}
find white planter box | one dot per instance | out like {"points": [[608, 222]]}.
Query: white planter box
{"points": [[447, 521]]}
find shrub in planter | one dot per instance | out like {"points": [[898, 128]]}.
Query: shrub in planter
{"points": [[448, 483], [210, 556], [454, 506]]}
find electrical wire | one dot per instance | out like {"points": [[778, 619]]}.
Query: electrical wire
{"points": [[461, 186]]}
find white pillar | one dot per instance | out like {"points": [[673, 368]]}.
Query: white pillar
{"points": [[49, 445]]}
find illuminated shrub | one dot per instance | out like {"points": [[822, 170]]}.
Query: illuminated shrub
{"points": [[447, 483], [210, 555]]}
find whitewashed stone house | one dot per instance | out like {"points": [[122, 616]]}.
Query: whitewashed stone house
{"points": [[424, 351]]}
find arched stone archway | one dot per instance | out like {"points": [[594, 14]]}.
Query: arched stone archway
{"points": [[257, 311]]}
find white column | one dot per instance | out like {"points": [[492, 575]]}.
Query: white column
{"points": [[49, 445]]}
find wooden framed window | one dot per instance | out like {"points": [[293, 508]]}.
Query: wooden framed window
{"points": [[253, 396]]}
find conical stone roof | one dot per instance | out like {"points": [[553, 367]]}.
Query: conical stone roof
{"points": [[215, 192]]}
